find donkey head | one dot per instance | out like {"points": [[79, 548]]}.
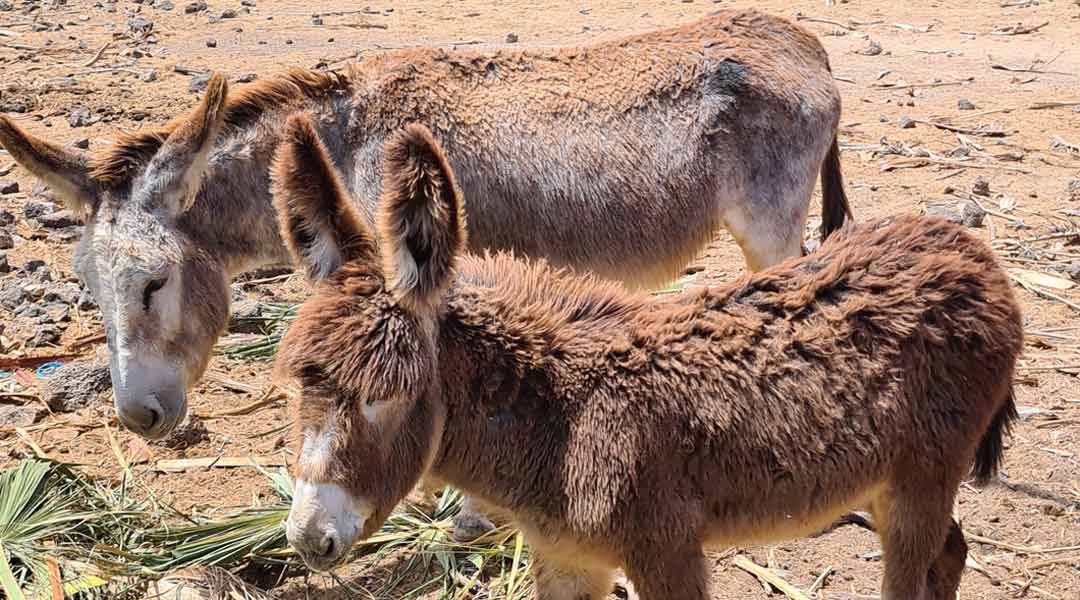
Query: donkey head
{"points": [[163, 300], [360, 359]]}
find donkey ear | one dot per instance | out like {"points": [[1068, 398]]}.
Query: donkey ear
{"points": [[67, 172], [317, 220], [421, 217], [176, 169]]}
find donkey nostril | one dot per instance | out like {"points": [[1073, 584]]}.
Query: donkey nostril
{"points": [[154, 417], [327, 546]]}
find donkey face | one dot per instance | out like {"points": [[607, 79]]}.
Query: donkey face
{"points": [[360, 359], [162, 300]]}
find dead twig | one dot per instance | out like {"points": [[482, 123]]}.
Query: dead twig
{"points": [[980, 131], [768, 576], [801, 17], [96, 57], [1054, 104], [199, 464], [1029, 550], [1018, 29], [908, 86]]}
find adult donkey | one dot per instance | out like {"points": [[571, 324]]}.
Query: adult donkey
{"points": [[621, 158]]}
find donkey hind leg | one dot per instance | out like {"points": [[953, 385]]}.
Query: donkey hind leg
{"points": [[670, 574], [769, 230], [911, 521], [943, 580], [568, 578], [471, 522]]}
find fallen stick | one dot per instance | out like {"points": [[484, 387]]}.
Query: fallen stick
{"points": [[1018, 29], [1017, 548], [97, 56], [768, 576], [271, 396], [1045, 294], [192, 464], [1053, 104], [891, 86], [1055, 561], [1032, 69], [823, 20], [26, 362], [964, 130]]}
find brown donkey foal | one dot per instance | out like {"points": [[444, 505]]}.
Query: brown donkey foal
{"points": [[627, 431]]}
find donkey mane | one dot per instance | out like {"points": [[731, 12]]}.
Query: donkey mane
{"points": [[113, 167]]}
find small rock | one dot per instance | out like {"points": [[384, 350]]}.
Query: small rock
{"points": [[46, 335], [965, 104], [58, 220], [139, 25], [905, 123], [79, 117], [5, 6], [1072, 189], [1073, 270], [812, 245], [6, 218], [56, 313], [33, 265], [12, 295], [972, 215], [316, 20], [86, 300], [165, 5], [75, 385], [198, 82], [946, 209], [30, 310], [872, 48], [5, 267], [81, 143], [511, 38], [194, 7], [1027, 412], [34, 210], [248, 3], [981, 187], [13, 415], [138, 114], [228, 13], [149, 75], [288, 42], [211, 43], [247, 77], [14, 105], [6, 241], [8, 186], [66, 293]]}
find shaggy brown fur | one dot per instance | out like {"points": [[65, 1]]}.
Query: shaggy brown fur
{"points": [[623, 430]]}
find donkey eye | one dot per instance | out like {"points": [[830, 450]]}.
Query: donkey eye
{"points": [[151, 287]]}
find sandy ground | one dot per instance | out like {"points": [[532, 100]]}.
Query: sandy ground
{"points": [[66, 55]]}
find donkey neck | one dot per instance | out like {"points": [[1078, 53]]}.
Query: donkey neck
{"points": [[233, 216]]}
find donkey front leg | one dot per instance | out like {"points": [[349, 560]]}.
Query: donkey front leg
{"points": [[669, 573], [471, 522], [944, 577], [568, 577]]}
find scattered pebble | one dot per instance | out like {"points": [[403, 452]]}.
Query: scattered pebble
{"points": [[1072, 189], [33, 210], [872, 48], [1073, 270], [972, 214], [6, 241], [247, 77], [75, 385], [86, 301], [511, 38], [316, 20], [9, 187], [6, 217], [194, 7], [58, 219], [12, 295], [247, 3], [981, 187], [81, 143], [14, 415], [905, 123], [211, 43], [228, 13], [149, 75], [165, 5], [140, 26], [965, 104], [47, 334], [79, 117], [5, 266], [198, 82]]}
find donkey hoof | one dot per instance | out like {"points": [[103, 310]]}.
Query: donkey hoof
{"points": [[470, 526]]}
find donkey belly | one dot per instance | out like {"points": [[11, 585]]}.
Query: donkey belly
{"points": [[633, 200]]}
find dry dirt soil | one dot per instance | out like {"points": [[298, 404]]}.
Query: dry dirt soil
{"points": [[981, 66]]}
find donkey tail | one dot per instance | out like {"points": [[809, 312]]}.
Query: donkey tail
{"points": [[834, 202], [991, 448]]}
